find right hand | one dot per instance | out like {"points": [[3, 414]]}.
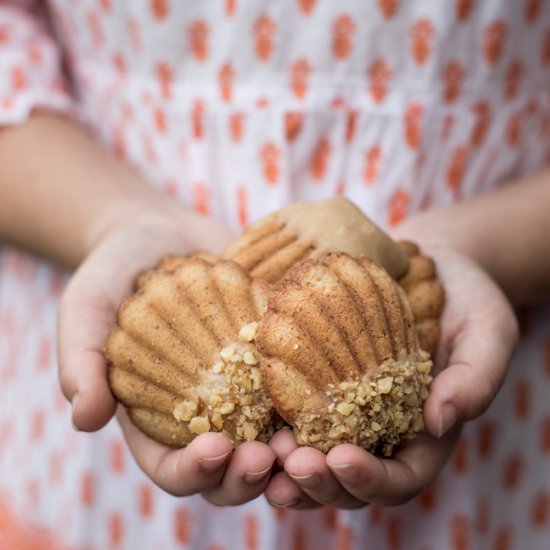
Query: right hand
{"points": [[87, 313]]}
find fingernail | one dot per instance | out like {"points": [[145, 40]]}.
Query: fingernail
{"points": [[309, 481], [255, 478], [347, 472], [447, 419], [289, 504], [74, 403], [210, 465]]}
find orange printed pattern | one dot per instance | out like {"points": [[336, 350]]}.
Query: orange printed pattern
{"points": [[201, 196], [135, 34], [251, 532], [351, 125], [230, 7], [197, 119], [198, 39], [483, 515], [453, 76], [226, 76], [460, 457], [165, 77], [460, 533], [463, 9], [422, 35], [532, 11], [320, 159], [540, 509], [513, 471], [483, 116], [427, 500], [181, 525], [456, 169], [159, 9], [494, 37], [293, 125], [486, 439], [514, 76], [300, 72], [388, 8], [379, 75], [270, 157], [398, 206], [242, 206], [513, 129], [236, 126], [413, 125], [522, 396], [307, 6], [343, 29], [16, 535], [264, 34], [145, 501], [373, 158]]}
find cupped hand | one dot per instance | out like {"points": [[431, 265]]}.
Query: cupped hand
{"points": [[86, 315], [479, 334]]}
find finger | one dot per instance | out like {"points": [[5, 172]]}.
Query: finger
{"points": [[84, 321], [308, 468], [181, 472], [245, 477], [283, 444], [391, 481], [282, 492], [476, 369]]}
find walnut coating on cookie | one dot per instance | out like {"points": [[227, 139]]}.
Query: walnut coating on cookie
{"points": [[340, 355], [180, 360]]}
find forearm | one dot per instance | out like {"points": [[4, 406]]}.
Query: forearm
{"points": [[61, 191], [507, 231]]}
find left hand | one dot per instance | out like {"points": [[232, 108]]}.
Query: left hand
{"points": [[478, 336]]}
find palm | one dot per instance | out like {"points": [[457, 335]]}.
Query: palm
{"points": [[478, 335], [87, 313]]}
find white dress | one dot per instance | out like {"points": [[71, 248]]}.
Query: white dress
{"points": [[238, 107]]}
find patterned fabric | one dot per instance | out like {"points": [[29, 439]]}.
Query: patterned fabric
{"points": [[238, 107]]}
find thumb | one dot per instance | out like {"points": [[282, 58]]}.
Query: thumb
{"points": [[83, 324], [476, 369]]}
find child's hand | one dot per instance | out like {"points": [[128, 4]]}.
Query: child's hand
{"points": [[479, 333], [88, 312]]}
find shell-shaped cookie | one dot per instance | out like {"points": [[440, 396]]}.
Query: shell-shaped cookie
{"points": [[170, 262], [425, 294], [181, 358], [340, 355], [274, 244]]}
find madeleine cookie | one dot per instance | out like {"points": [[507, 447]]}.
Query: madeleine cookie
{"points": [[274, 244], [181, 358], [340, 355], [425, 294]]}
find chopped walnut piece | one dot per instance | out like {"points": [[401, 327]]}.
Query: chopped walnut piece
{"points": [[227, 407], [185, 411], [376, 412], [248, 332], [385, 384], [345, 408], [199, 425], [249, 431], [217, 420], [227, 353], [251, 358]]}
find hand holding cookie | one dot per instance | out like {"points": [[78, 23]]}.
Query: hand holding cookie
{"points": [[337, 354], [88, 313]]}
